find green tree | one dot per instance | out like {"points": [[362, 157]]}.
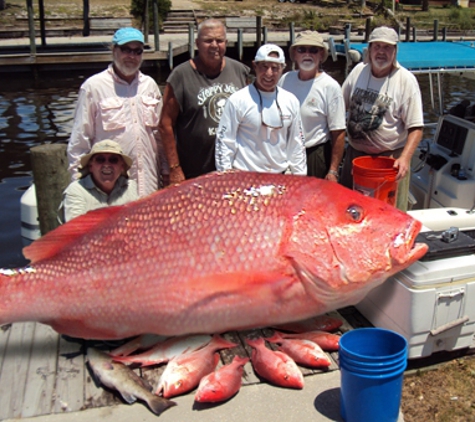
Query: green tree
{"points": [[137, 9]]}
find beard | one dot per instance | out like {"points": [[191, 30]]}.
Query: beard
{"points": [[307, 65], [127, 69]]}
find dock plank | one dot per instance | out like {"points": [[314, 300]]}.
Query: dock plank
{"points": [[69, 395], [41, 377], [4, 336], [14, 369]]}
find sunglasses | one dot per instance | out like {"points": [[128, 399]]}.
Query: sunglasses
{"points": [[128, 50], [100, 159], [310, 50]]}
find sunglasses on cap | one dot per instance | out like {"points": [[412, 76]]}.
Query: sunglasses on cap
{"points": [[128, 50], [101, 159], [310, 50]]}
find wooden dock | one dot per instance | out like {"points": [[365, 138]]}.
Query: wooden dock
{"points": [[43, 373]]}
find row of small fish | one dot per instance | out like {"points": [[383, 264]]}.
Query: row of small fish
{"points": [[192, 362]]}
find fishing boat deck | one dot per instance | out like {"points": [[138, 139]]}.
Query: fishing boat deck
{"points": [[42, 372]]}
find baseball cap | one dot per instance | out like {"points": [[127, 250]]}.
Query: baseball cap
{"points": [[262, 54], [124, 35], [106, 147], [384, 34], [310, 38]]}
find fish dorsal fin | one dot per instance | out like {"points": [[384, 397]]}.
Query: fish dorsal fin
{"points": [[58, 239]]}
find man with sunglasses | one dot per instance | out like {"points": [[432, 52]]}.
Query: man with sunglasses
{"points": [[322, 107], [123, 104], [260, 129], [104, 181]]}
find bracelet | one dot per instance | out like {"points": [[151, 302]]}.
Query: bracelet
{"points": [[333, 172], [175, 166]]}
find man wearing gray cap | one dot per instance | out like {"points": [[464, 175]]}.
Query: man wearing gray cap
{"points": [[260, 128], [322, 107], [384, 107], [122, 104]]}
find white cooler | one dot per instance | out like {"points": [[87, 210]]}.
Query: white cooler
{"points": [[430, 303]]}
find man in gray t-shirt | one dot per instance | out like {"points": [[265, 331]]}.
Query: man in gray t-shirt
{"points": [[194, 99]]}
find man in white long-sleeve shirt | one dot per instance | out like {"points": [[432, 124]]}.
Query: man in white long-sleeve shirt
{"points": [[260, 129], [124, 105]]}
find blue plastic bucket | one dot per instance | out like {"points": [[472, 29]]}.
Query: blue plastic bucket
{"points": [[372, 364]]}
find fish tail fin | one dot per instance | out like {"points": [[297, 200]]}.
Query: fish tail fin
{"points": [[222, 343], [159, 404], [256, 342], [241, 361], [276, 338]]}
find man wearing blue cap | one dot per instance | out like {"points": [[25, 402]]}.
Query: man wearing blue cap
{"points": [[122, 104]]}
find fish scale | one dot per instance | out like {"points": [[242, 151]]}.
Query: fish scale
{"points": [[225, 251]]}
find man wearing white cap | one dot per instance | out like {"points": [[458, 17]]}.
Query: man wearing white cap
{"points": [[322, 107], [104, 181], [384, 107], [122, 104], [260, 129]]}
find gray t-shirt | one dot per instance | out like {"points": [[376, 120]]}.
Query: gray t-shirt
{"points": [[202, 101]]}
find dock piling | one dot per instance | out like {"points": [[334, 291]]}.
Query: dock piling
{"points": [[50, 175]]}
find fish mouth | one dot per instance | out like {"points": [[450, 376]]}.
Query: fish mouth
{"points": [[405, 250]]}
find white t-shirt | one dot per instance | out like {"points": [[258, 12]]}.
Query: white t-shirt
{"points": [[381, 110], [322, 107], [243, 142]]}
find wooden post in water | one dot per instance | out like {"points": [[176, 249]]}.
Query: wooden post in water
{"points": [[50, 175], [291, 33], [408, 28], [170, 55], [156, 26], [240, 44], [146, 21], [31, 26], [258, 31], [367, 29], [191, 39]]}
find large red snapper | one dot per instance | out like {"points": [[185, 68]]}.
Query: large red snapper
{"points": [[225, 251]]}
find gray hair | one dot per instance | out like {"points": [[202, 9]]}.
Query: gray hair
{"points": [[210, 23]]}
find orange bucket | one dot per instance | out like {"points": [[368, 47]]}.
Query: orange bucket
{"points": [[375, 177]]}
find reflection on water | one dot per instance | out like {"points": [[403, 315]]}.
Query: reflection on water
{"points": [[32, 113]]}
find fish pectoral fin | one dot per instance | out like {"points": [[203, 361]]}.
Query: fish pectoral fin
{"points": [[129, 398], [314, 285], [52, 242]]}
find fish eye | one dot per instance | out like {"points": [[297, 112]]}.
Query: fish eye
{"points": [[355, 213]]}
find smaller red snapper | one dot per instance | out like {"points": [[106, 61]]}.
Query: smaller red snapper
{"points": [[222, 384], [327, 341], [184, 372], [303, 352], [164, 351], [321, 322], [275, 366]]}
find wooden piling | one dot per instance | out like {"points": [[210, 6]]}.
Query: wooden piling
{"points": [[50, 175]]}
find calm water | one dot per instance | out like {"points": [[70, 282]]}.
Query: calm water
{"points": [[34, 113]]}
